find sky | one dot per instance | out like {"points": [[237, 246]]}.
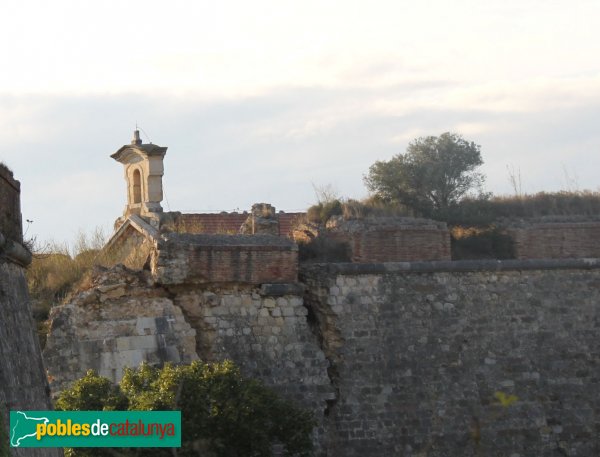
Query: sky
{"points": [[263, 101]]}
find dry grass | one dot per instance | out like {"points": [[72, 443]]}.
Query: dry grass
{"points": [[56, 269], [542, 204], [354, 209], [222, 230], [183, 225]]}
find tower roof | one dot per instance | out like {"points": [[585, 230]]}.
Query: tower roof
{"points": [[126, 152]]}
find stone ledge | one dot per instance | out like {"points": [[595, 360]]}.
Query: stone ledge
{"points": [[451, 266], [277, 290]]}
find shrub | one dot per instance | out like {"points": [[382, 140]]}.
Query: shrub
{"points": [[321, 212], [223, 413], [373, 207], [92, 393], [355, 209]]}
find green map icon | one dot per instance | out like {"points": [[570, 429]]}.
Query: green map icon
{"points": [[23, 427]]}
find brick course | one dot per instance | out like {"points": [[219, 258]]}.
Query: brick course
{"points": [[221, 223], [248, 259], [393, 241], [556, 240]]}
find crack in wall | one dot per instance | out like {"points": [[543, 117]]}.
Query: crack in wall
{"points": [[322, 322]]}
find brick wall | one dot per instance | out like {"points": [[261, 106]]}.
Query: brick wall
{"points": [[396, 244], [287, 222], [10, 208], [230, 223], [220, 223], [555, 240], [248, 259]]}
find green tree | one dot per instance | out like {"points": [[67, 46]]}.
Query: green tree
{"points": [[223, 414], [433, 174]]}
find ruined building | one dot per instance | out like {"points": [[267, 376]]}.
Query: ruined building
{"points": [[401, 352]]}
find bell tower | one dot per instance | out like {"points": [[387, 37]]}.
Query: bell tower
{"points": [[143, 164]]}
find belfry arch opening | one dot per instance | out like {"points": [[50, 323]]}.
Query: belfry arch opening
{"points": [[143, 167], [137, 186]]}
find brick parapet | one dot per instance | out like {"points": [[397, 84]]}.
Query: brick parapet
{"points": [[555, 240], [389, 239], [228, 223], [246, 259]]}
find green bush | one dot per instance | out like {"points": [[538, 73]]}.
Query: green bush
{"points": [[92, 393], [223, 413], [321, 212]]}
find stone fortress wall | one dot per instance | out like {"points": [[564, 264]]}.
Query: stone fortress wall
{"points": [[393, 359], [422, 353], [23, 384], [127, 317]]}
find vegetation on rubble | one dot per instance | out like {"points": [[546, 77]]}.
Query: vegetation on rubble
{"points": [[223, 413], [56, 268]]}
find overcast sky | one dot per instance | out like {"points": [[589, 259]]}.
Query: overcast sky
{"points": [[259, 100]]}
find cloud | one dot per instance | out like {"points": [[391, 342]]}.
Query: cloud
{"points": [[229, 153]]}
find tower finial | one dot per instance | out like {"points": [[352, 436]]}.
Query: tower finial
{"points": [[136, 137]]}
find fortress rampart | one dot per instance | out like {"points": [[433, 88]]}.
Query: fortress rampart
{"points": [[422, 353], [23, 384], [409, 358]]}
